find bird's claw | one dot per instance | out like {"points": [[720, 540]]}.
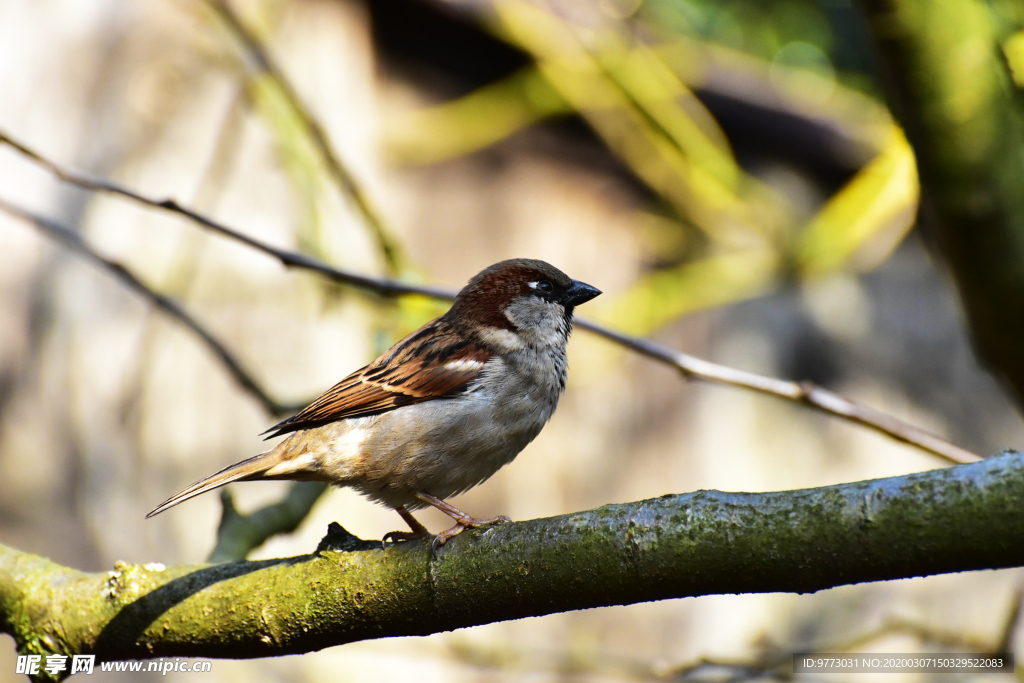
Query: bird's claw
{"points": [[463, 524], [393, 537]]}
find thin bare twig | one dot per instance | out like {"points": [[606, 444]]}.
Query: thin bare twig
{"points": [[802, 392], [690, 366], [291, 259], [73, 241], [261, 61]]}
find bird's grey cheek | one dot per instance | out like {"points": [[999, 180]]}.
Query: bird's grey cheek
{"points": [[530, 312]]}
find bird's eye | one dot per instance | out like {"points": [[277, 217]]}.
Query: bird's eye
{"points": [[545, 286]]}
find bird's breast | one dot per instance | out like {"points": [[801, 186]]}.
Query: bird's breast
{"points": [[445, 446]]}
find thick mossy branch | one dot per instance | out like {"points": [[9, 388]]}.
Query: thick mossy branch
{"points": [[951, 90], [956, 519]]}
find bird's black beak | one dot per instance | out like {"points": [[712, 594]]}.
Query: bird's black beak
{"points": [[579, 293]]}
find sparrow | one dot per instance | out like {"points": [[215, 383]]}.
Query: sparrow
{"points": [[440, 411]]}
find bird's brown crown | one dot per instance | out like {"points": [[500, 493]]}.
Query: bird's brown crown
{"points": [[484, 299]]}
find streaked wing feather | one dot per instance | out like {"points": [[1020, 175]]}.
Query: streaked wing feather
{"points": [[431, 363]]}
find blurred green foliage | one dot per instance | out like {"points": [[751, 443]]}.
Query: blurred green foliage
{"points": [[631, 77], [717, 229], [822, 35], [863, 222]]}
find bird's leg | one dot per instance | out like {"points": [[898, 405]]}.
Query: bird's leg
{"points": [[418, 530], [462, 520]]}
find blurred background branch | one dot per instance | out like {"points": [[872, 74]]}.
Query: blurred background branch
{"points": [[239, 534], [381, 286], [74, 242], [261, 62], [952, 88], [691, 367]]}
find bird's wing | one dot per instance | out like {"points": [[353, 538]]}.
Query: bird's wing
{"points": [[431, 363]]}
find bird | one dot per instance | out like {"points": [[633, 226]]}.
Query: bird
{"points": [[440, 411]]}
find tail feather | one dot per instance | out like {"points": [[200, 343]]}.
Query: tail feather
{"points": [[251, 468]]}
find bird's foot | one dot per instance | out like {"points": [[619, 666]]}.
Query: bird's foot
{"points": [[462, 520], [397, 536], [418, 530], [466, 522]]}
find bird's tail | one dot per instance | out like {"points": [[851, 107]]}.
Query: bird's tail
{"points": [[247, 470]]}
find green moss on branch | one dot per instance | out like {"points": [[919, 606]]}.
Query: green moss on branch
{"points": [[956, 519]]}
